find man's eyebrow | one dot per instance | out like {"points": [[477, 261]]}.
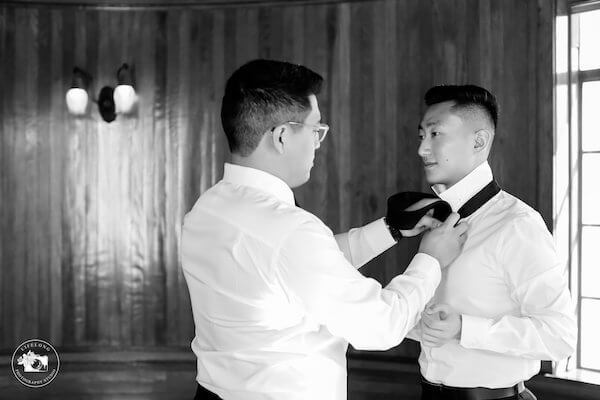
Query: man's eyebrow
{"points": [[428, 124]]}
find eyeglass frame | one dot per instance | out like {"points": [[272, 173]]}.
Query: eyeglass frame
{"points": [[319, 126]]}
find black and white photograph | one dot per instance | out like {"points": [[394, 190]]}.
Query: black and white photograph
{"points": [[299, 200]]}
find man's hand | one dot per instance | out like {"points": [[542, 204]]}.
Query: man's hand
{"points": [[425, 223], [446, 241], [440, 324]]}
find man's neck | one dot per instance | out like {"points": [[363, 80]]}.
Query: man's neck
{"points": [[258, 162]]}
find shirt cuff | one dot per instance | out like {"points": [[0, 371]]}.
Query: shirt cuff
{"points": [[378, 236], [474, 331]]}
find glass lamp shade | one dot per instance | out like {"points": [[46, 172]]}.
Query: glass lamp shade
{"points": [[125, 98], [77, 100]]}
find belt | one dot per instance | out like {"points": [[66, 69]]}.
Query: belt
{"points": [[476, 393], [203, 393]]}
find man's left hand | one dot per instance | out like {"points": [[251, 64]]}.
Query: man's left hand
{"points": [[440, 324]]}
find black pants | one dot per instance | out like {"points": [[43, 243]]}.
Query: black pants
{"points": [[204, 394], [524, 395]]}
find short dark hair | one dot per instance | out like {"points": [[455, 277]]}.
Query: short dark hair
{"points": [[466, 97], [262, 94]]}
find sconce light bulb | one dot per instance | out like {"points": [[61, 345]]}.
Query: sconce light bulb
{"points": [[77, 100], [125, 98]]}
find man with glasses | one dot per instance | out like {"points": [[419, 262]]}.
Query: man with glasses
{"points": [[276, 297]]}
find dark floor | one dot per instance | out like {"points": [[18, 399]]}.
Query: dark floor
{"points": [[81, 379]]}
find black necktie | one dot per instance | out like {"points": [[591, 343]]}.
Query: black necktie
{"points": [[441, 209], [480, 198]]}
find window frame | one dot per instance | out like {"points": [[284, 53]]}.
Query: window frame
{"points": [[568, 223]]}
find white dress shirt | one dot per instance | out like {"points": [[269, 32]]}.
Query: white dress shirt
{"points": [[276, 299], [509, 288]]}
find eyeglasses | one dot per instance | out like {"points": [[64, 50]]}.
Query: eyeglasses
{"points": [[319, 129]]}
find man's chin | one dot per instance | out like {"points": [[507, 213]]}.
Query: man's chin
{"points": [[431, 178], [300, 182]]}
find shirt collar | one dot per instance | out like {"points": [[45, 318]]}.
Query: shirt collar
{"points": [[258, 179], [459, 193]]}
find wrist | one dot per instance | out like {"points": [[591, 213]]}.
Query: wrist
{"points": [[395, 232]]}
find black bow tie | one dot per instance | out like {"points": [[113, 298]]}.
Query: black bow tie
{"points": [[441, 209]]}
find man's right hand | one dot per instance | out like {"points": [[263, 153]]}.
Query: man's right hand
{"points": [[446, 241]]}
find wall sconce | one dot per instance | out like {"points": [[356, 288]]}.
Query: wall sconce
{"points": [[77, 97], [111, 101]]}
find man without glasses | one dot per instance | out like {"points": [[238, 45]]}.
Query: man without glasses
{"points": [[276, 297], [503, 304]]}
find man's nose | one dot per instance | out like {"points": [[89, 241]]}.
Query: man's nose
{"points": [[423, 149]]}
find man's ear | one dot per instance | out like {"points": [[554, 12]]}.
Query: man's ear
{"points": [[279, 136], [483, 140]]}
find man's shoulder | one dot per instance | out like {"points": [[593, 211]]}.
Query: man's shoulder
{"points": [[250, 210], [515, 211]]}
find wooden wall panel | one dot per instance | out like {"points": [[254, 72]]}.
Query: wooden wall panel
{"points": [[91, 212]]}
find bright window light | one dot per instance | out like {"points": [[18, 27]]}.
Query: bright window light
{"points": [[590, 105], [589, 40]]}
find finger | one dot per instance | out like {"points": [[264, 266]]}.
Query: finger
{"points": [[437, 343], [429, 337], [439, 334], [443, 310], [451, 221], [440, 307], [428, 317], [431, 341], [439, 322], [461, 228], [444, 333], [427, 222], [431, 324]]}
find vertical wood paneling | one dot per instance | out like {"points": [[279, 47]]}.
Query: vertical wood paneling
{"points": [[314, 194], [544, 97], [217, 87], [3, 177], [177, 105], [7, 177], [43, 157], [293, 33], [495, 42], [91, 212], [56, 178], [387, 130], [340, 119], [25, 145]]}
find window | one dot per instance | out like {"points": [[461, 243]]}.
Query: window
{"points": [[577, 170]]}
